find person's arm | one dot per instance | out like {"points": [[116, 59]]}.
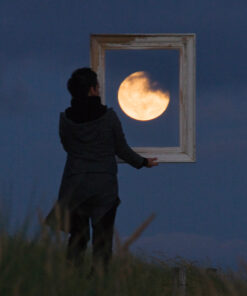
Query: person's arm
{"points": [[122, 149]]}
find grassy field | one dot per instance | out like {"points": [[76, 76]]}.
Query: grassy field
{"points": [[39, 267]]}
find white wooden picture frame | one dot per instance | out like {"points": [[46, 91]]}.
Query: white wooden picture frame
{"points": [[185, 43]]}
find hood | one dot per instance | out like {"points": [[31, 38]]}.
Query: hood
{"points": [[85, 109], [83, 132], [80, 122]]}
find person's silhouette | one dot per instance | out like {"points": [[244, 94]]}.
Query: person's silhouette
{"points": [[92, 135]]}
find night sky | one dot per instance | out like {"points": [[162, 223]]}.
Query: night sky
{"points": [[200, 207]]}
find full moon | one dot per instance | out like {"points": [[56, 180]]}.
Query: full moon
{"points": [[140, 99]]}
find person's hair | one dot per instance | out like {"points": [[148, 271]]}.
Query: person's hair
{"points": [[81, 81]]}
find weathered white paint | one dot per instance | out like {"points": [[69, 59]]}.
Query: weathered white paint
{"points": [[185, 43]]}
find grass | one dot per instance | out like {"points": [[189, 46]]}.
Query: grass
{"points": [[38, 267]]}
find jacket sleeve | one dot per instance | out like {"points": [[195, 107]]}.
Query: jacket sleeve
{"points": [[122, 149]]}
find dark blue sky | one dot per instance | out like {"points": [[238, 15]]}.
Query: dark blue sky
{"points": [[200, 207]]}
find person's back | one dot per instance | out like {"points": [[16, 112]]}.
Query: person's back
{"points": [[91, 146]]}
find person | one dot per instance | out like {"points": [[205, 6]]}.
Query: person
{"points": [[92, 135]]}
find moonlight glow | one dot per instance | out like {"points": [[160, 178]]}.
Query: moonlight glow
{"points": [[139, 98]]}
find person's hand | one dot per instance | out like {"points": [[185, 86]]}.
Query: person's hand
{"points": [[152, 162]]}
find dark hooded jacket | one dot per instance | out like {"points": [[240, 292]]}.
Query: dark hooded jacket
{"points": [[92, 136]]}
